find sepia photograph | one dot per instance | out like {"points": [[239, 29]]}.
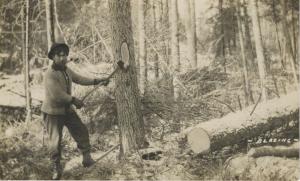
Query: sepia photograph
{"points": [[149, 90]]}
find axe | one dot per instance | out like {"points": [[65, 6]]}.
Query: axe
{"points": [[120, 66]]}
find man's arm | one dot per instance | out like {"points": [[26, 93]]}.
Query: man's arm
{"points": [[78, 79]]}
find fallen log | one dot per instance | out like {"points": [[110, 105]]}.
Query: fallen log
{"points": [[268, 168], [281, 151], [235, 128]]}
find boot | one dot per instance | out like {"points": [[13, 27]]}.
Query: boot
{"points": [[57, 171], [87, 160]]}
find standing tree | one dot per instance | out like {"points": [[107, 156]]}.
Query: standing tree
{"points": [[132, 134], [248, 43], [164, 24], [259, 48], [23, 46], [156, 27], [50, 19], [288, 40], [221, 44], [142, 48], [27, 68], [191, 33], [241, 30], [173, 16], [276, 20]]}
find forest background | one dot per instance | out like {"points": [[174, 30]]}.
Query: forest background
{"points": [[196, 60]]}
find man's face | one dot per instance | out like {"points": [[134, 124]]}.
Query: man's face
{"points": [[60, 58]]}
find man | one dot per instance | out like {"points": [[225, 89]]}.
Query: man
{"points": [[57, 107]]}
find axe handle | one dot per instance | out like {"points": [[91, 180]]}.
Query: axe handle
{"points": [[97, 86], [106, 153]]}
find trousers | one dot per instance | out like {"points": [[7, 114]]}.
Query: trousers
{"points": [[54, 126]]}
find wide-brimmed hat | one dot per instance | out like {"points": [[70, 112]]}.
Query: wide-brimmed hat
{"points": [[58, 46]]}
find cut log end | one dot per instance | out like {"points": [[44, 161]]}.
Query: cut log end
{"points": [[199, 141]]}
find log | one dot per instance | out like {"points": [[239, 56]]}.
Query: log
{"points": [[238, 127], [281, 151], [268, 168], [199, 140]]}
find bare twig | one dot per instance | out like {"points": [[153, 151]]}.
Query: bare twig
{"points": [[239, 101], [89, 46], [256, 104], [223, 103], [9, 90], [272, 91]]}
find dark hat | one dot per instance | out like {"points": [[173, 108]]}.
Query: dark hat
{"points": [[58, 47]]}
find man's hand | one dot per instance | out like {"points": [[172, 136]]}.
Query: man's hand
{"points": [[103, 81], [77, 102]]}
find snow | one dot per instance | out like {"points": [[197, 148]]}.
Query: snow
{"points": [[238, 120], [13, 85]]}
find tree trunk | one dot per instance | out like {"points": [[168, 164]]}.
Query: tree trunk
{"points": [[241, 30], [27, 58], [156, 27], [248, 42], [281, 151], [221, 44], [259, 48], [233, 37], [132, 134], [191, 34], [174, 45], [277, 34], [289, 42], [238, 127], [23, 46], [94, 39], [50, 19], [167, 41], [142, 48], [294, 34]]}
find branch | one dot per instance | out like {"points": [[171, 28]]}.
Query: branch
{"points": [[223, 103], [256, 104], [9, 90]]}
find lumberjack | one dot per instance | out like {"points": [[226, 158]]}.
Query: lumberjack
{"points": [[57, 109]]}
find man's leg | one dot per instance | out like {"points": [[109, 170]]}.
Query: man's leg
{"points": [[80, 134], [54, 126]]}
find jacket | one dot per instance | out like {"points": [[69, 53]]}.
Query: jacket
{"points": [[58, 95]]}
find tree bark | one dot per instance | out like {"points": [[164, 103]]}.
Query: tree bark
{"points": [[248, 42], [191, 34], [238, 127], [286, 33], [27, 58], [132, 134], [294, 34], [277, 34], [281, 151], [94, 39], [23, 46], [241, 30], [173, 16], [167, 40], [50, 19], [142, 48], [156, 27], [259, 48], [221, 44]]}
